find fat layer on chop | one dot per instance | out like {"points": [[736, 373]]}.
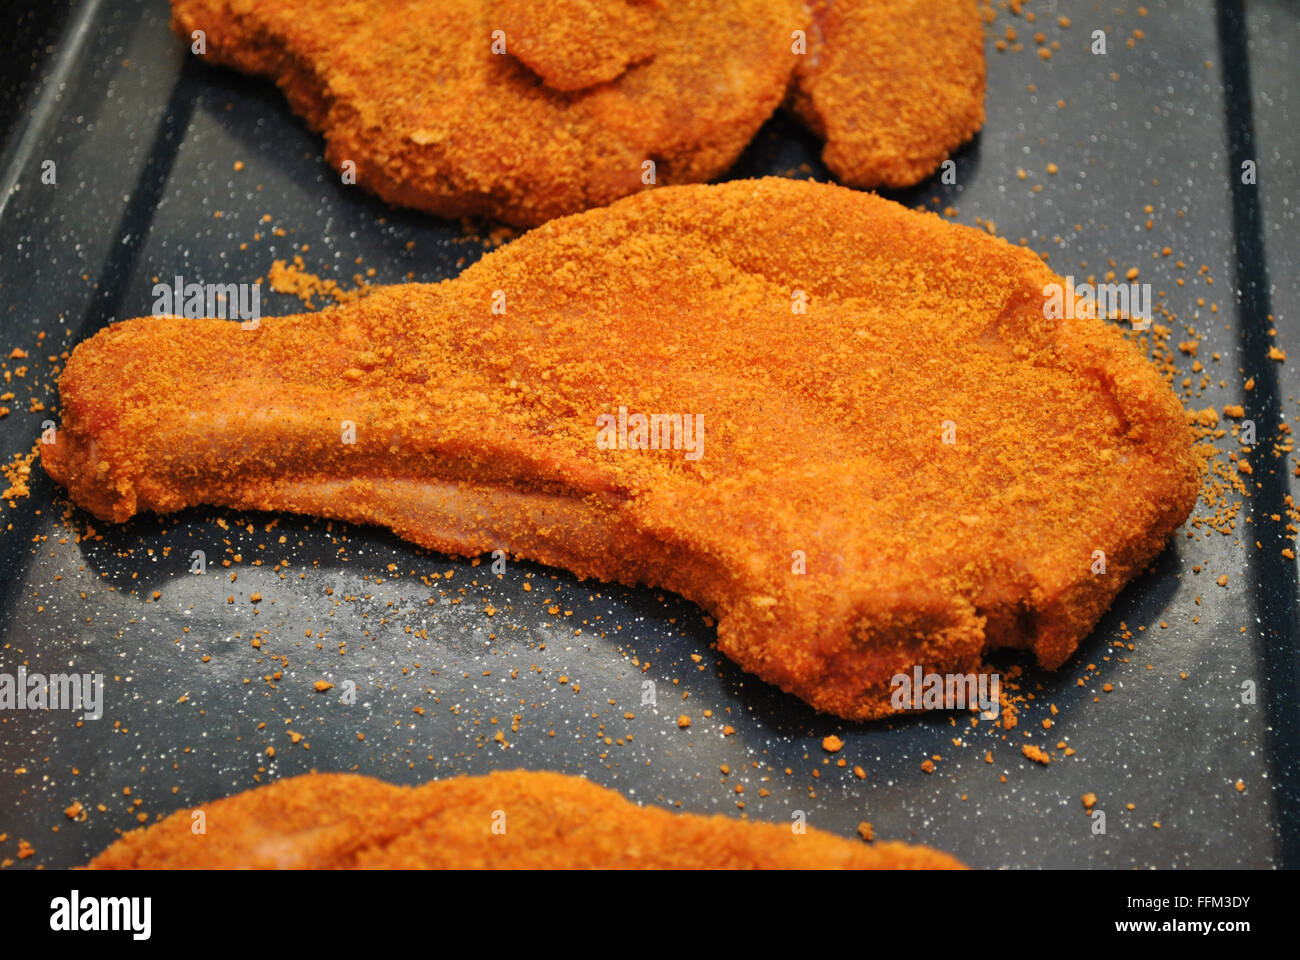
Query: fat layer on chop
{"points": [[505, 820], [902, 462]]}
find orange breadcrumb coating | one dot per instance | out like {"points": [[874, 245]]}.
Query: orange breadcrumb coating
{"points": [[573, 44], [824, 432], [413, 94], [513, 820], [580, 94], [893, 86]]}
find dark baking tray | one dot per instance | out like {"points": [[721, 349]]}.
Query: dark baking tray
{"points": [[145, 139]]}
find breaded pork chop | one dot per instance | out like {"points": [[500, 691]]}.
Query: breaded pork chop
{"points": [[892, 86], [883, 454], [515, 820], [437, 105], [524, 110]]}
